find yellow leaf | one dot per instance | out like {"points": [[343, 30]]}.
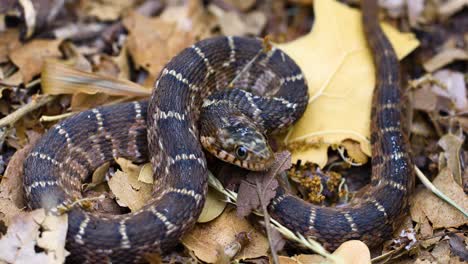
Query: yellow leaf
{"points": [[339, 70], [213, 207]]}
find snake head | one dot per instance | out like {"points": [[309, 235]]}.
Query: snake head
{"points": [[235, 138]]}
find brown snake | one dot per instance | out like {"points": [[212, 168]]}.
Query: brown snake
{"points": [[184, 91]]}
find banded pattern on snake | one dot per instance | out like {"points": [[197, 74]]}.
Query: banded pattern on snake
{"points": [[167, 129], [374, 215]]}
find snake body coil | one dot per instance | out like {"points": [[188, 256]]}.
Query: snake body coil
{"points": [[373, 216], [74, 148]]}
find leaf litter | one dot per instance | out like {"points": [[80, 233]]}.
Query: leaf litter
{"points": [[117, 44]]}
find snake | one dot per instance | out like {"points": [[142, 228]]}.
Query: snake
{"points": [[223, 94]]}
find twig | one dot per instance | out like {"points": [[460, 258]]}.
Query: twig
{"points": [[436, 191], [25, 109], [46, 118]]}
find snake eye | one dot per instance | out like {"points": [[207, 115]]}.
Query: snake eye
{"points": [[241, 152]]}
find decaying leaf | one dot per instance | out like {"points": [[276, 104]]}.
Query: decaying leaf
{"points": [[31, 231], [221, 232], [452, 146], [339, 70], [439, 213], [248, 196], [459, 246], [233, 23], [30, 57], [152, 42], [11, 186], [445, 57], [106, 10], [9, 40], [455, 88], [350, 252], [127, 189], [191, 17]]}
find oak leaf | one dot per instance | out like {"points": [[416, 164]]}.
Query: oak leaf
{"points": [[339, 70]]}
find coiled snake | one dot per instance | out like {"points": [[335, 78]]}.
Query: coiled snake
{"points": [[167, 129]]}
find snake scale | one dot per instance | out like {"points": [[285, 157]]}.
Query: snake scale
{"points": [[166, 128]]}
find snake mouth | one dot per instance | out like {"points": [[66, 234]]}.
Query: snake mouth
{"points": [[246, 164]]}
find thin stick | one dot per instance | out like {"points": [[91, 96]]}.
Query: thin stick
{"points": [[46, 118], [25, 109]]}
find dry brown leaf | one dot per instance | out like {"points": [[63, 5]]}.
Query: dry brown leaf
{"points": [[302, 259], [458, 245], [353, 251], [106, 10], [214, 206], [191, 17], [452, 146], [248, 196], [204, 238], [152, 42], [456, 88], [30, 57], [242, 5], [424, 99], [9, 40], [445, 57], [146, 174], [237, 24], [441, 252], [439, 213], [12, 181], [32, 230], [129, 191], [350, 252]]}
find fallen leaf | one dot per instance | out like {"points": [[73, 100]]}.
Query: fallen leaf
{"points": [[9, 40], [11, 186], [152, 42], [350, 252], [456, 88], [353, 251], [146, 174], [235, 24], [340, 73], [35, 237], [452, 146], [248, 197], [441, 252], [127, 189], [192, 17], [107, 10], [220, 233], [440, 214], [214, 206], [30, 57], [458, 246], [445, 57]]}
